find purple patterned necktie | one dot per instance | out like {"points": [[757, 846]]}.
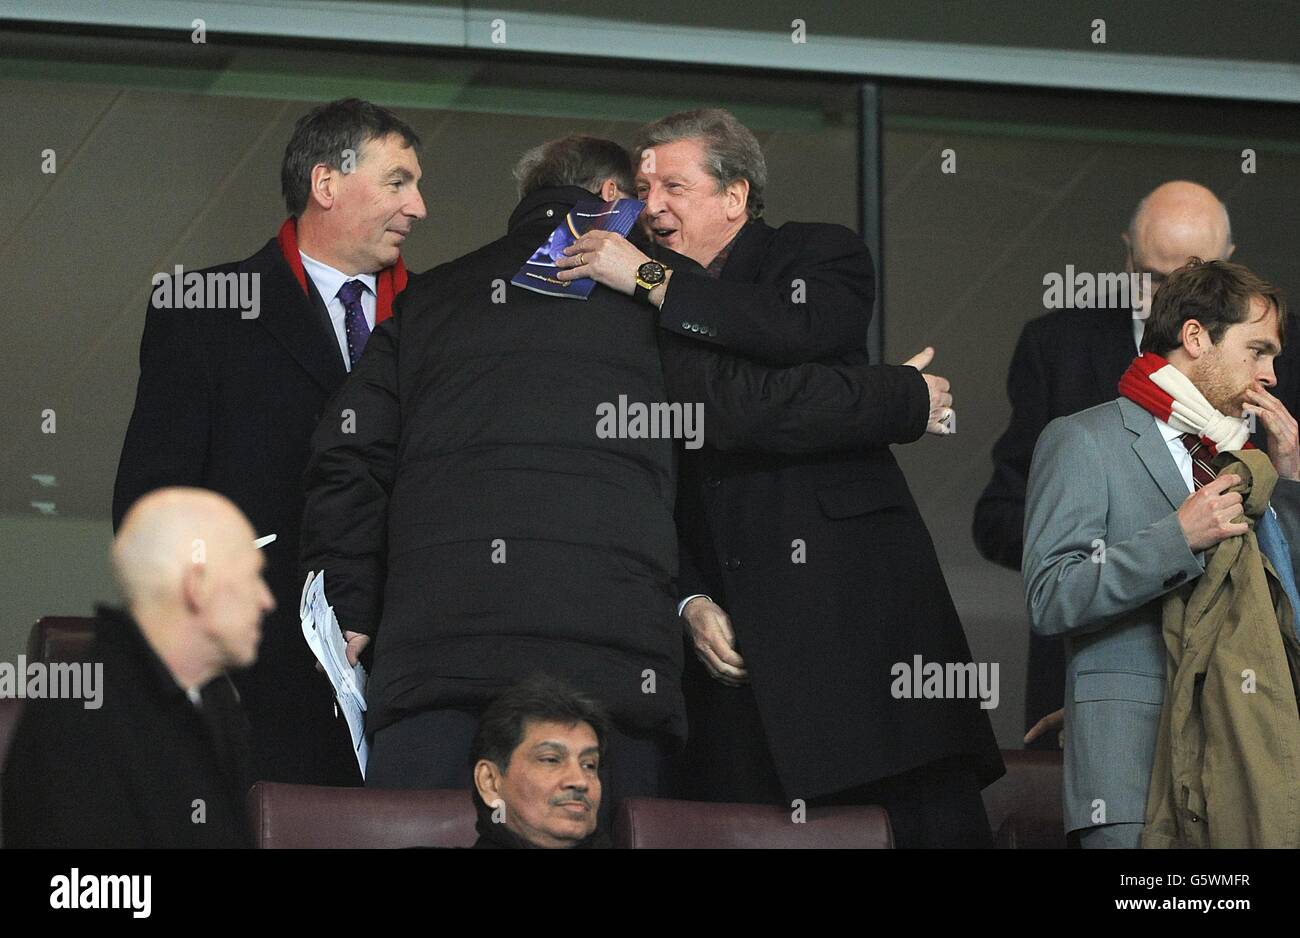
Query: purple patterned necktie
{"points": [[354, 319]]}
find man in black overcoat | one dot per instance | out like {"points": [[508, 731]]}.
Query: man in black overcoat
{"points": [[811, 589], [157, 754], [474, 521], [232, 383]]}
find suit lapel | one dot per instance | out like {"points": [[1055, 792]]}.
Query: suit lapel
{"points": [[746, 254], [1152, 449], [298, 322]]}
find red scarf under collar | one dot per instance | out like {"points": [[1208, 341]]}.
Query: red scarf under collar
{"points": [[1142, 384], [389, 282]]}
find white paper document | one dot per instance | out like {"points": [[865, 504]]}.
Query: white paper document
{"points": [[321, 629]]}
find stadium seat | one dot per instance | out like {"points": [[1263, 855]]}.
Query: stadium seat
{"points": [[662, 823], [316, 816], [60, 638], [10, 710], [1024, 806]]}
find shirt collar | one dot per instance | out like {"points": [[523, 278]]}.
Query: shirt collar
{"points": [[116, 626], [714, 269], [328, 280], [1168, 432]]}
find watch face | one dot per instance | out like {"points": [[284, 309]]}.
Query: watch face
{"points": [[650, 272]]}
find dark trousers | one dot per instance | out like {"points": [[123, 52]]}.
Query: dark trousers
{"points": [[935, 805], [726, 756], [431, 750], [728, 760], [296, 735], [1044, 686]]}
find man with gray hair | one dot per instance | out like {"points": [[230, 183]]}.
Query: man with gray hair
{"points": [[474, 522], [164, 761], [576, 160], [1071, 359], [805, 583]]}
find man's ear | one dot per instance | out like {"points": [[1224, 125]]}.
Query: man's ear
{"points": [[737, 194], [1228, 253], [324, 182], [195, 587], [609, 190], [487, 781], [1195, 338]]}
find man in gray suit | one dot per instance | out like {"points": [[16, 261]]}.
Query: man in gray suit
{"points": [[1120, 510]]}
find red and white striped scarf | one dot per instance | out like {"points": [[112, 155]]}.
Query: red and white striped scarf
{"points": [[388, 282], [1162, 390]]}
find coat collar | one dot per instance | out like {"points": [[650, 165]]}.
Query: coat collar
{"points": [[1110, 347], [116, 628], [118, 637], [1153, 451], [555, 199], [300, 323], [747, 249], [493, 836]]}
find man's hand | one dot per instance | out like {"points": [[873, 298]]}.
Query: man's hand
{"points": [[1206, 516], [1053, 721], [356, 645], [1283, 435], [715, 642], [941, 412], [605, 257]]}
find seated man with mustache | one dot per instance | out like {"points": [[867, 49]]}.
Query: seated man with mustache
{"points": [[536, 768]]}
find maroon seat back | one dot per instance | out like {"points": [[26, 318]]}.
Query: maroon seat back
{"points": [[10, 710], [316, 816], [60, 638], [52, 638], [661, 823], [1024, 806]]}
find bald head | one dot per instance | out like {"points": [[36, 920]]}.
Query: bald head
{"points": [[169, 530], [189, 572], [1176, 221]]}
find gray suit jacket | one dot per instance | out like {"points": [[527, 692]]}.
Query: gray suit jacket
{"points": [[1102, 547]]}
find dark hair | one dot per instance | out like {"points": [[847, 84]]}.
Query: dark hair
{"points": [[731, 151], [1217, 294], [574, 161], [502, 727], [322, 135]]}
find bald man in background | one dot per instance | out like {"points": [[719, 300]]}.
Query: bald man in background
{"points": [[163, 761], [1071, 359]]}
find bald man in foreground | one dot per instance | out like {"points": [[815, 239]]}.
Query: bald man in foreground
{"points": [[1072, 359], [163, 762]]}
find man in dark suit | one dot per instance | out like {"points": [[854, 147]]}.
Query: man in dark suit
{"points": [[825, 569], [480, 528], [229, 394], [160, 759], [1071, 359]]}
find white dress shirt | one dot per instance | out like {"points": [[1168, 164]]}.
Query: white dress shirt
{"points": [[1182, 458], [1178, 449], [327, 281]]}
